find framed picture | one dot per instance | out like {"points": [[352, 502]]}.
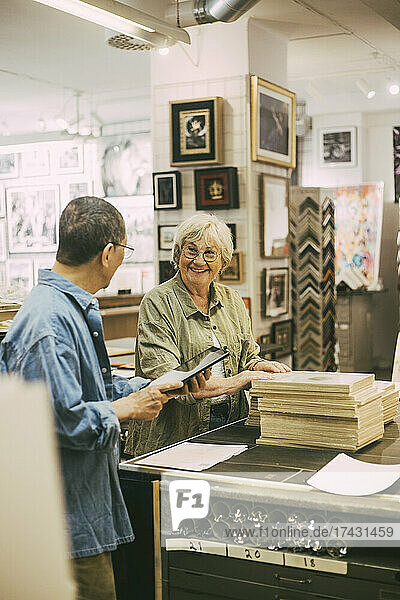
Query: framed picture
{"points": [[275, 222], [167, 190], [282, 332], [196, 131], [125, 164], [138, 215], [166, 236], [234, 271], [20, 276], [35, 163], [3, 241], [273, 123], [396, 162], [265, 341], [232, 227], [32, 218], [276, 291], [69, 159], [79, 189], [2, 201], [166, 270], [337, 147], [216, 188], [8, 165]]}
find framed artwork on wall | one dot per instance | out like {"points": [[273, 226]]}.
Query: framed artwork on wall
{"points": [[20, 275], [196, 131], [33, 218], [166, 270], [275, 222], [216, 188], [282, 332], [3, 241], [167, 190], [138, 215], [35, 163], [166, 236], [68, 159], [396, 162], [79, 189], [337, 147], [232, 227], [234, 271], [276, 291], [273, 123], [2, 201], [8, 165]]}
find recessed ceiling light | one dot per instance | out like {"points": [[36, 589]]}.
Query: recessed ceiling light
{"points": [[163, 51], [365, 88], [393, 88]]}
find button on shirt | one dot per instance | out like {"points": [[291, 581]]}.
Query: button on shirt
{"points": [[57, 336]]}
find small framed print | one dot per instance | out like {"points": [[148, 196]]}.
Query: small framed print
{"points": [[276, 217], [35, 163], [20, 275], [232, 227], [234, 271], [69, 159], [166, 270], [8, 165], [282, 332], [196, 131], [216, 188], [264, 341], [166, 235], [337, 147], [167, 190], [276, 291], [273, 123]]}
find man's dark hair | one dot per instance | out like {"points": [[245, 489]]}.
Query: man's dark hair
{"points": [[87, 225]]}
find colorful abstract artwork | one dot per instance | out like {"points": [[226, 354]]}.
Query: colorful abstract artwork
{"points": [[358, 228]]}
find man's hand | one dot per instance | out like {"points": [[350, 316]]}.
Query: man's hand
{"points": [[146, 404]]}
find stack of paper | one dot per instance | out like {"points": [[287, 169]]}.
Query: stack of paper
{"points": [[390, 399], [309, 408], [192, 456], [254, 414]]}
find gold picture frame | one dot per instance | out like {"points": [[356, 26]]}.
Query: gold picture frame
{"points": [[273, 123], [196, 131]]}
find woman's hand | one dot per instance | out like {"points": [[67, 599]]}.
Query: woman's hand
{"points": [[216, 386], [272, 366]]}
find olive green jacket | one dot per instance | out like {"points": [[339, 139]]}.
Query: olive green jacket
{"points": [[173, 331]]}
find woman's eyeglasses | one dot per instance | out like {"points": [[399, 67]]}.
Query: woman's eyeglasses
{"points": [[128, 250], [209, 256]]}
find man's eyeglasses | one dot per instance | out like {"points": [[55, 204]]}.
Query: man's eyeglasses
{"points": [[128, 250], [190, 252]]}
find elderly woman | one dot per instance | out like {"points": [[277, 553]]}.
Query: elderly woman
{"points": [[183, 317]]}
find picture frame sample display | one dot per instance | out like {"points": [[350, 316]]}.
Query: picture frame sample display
{"points": [[216, 188], [166, 236], [33, 218], [276, 291], [139, 220], [8, 165], [166, 270], [273, 123], [234, 271], [337, 147], [167, 190], [275, 194], [196, 131], [282, 332], [35, 163], [69, 158], [396, 162]]}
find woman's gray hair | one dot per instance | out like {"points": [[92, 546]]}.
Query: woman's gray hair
{"points": [[205, 228]]}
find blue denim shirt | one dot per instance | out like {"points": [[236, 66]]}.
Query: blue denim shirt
{"points": [[57, 336]]}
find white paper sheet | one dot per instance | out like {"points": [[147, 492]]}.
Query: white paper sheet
{"points": [[192, 457], [350, 477]]}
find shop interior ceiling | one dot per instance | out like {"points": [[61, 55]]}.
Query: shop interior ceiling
{"points": [[48, 55]]}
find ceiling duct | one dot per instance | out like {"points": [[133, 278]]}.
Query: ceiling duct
{"points": [[199, 12]]}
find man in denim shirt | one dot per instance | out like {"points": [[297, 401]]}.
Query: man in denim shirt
{"points": [[57, 336]]}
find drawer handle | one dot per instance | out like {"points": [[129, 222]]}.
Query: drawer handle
{"points": [[291, 579]]}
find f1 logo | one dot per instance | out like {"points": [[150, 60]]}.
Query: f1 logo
{"points": [[189, 499]]}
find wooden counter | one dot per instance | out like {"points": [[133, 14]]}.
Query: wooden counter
{"points": [[120, 315]]}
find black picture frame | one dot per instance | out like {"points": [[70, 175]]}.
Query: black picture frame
{"points": [[234, 271], [232, 227], [196, 131], [167, 189], [216, 188], [166, 270], [282, 335], [276, 291], [166, 236]]}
